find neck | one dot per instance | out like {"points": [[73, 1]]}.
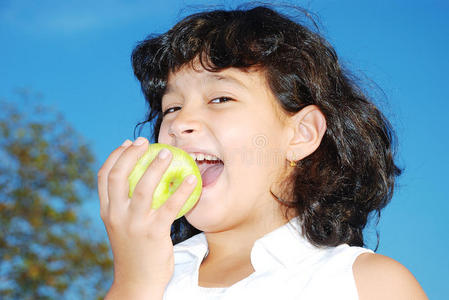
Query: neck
{"points": [[229, 257], [237, 242]]}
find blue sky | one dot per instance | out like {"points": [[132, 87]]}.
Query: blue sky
{"points": [[77, 55]]}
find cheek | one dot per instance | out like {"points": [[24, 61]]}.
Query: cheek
{"points": [[163, 136], [260, 160], [252, 147]]}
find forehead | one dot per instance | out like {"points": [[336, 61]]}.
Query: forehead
{"points": [[197, 75]]}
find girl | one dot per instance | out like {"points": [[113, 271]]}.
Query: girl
{"points": [[300, 159]]}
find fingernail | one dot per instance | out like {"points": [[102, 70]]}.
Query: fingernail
{"points": [[126, 143], [139, 141], [163, 154], [191, 179]]}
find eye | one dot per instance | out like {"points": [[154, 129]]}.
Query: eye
{"points": [[175, 108], [221, 99], [170, 110]]}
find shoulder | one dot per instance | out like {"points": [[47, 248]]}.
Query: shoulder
{"points": [[380, 277]]}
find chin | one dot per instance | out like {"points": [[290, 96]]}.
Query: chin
{"points": [[206, 218], [203, 219], [210, 212]]}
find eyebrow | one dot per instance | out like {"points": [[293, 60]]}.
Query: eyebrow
{"points": [[226, 78], [214, 77]]}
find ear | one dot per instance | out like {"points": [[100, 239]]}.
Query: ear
{"points": [[307, 129]]}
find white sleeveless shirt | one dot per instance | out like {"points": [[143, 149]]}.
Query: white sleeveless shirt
{"points": [[286, 267]]}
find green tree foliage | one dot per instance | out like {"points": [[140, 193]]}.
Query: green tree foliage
{"points": [[47, 248]]}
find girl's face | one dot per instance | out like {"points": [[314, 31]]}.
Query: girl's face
{"points": [[233, 115]]}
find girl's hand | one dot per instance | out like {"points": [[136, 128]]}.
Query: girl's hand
{"points": [[139, 235]]}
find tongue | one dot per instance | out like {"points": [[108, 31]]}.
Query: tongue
{"points": [[211, 173]]}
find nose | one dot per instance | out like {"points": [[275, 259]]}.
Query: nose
{"points": [[186, 123]]}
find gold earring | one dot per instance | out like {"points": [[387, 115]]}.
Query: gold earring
{"points": [[292, 163]]}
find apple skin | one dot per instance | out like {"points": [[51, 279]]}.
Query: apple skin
{"points": [[181, 166]]}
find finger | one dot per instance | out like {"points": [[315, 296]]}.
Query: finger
{"points": [[169, 210], [143, 192], [118, 186], [102, 176]]}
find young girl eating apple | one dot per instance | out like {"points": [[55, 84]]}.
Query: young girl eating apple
{"points": [[301, 159]]}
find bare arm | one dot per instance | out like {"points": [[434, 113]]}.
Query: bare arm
{"points": [[139, 235], [136, 292], [380, 277]]}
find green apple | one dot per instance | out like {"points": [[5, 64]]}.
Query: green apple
{"points": [[182, 165]]}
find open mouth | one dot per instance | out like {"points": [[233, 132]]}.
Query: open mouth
{"points": [[210, 170]]}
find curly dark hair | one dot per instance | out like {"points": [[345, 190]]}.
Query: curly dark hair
{"points": [[351, 175]]}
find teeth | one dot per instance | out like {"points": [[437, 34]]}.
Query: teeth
{"points": [[202, 156]]}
